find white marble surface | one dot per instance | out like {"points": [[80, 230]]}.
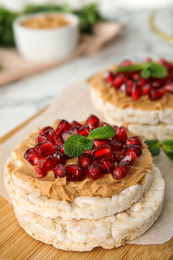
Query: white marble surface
{"points": [[22, 99]]}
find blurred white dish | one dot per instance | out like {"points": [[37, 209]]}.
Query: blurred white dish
{"points": [[46, 45]]}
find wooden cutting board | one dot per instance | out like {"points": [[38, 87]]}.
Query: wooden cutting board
{"points": [[16, 244]]}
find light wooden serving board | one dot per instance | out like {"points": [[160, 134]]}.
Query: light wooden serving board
{"points": [[16, 244]]}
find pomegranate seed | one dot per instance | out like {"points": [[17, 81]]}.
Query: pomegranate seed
{"points": [[40, 172], [156, 94], [45, 148], [59, 156], [115, 145], [109, 76], [119, 80], [58, 141], [95, 171], [107, 164], [60, 171], [104, 124], [166, 64], [32, 156], [85, 130], [129, 86], [134, 140], [148, 59], [135, 93], [75, 129], [84, 160], [115, 127], [42, 138], [142, 82], [42, 131], [61, 149], [100, 142], [62, 127], [67, 134], [47, 163], [130, 158], [75, 173], [136, 76], [132, 148], [169, 88], [88, 152], [157, 83], [75, 123], [121, 134], [145, 89], [93, 121], [50, 133], [101, 152], [121, 170], [116, 155], [126, 63]]}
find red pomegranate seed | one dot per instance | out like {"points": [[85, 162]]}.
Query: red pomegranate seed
{"points": [[88, 152], [109, 76], [166, 64], [121, 170], [67, 134], [75, 172], [60, 171], [32, 156], [42, 131], [142, 82], [58, 141], [157, 83], [40, 172], [85, 130], [135, 93], [136, 76], [107, 164], [119, 80], [148, 59], [115, 127], [50, 133], [95, 171], [121, 134], [156, 94], [75, 123], [59, 156], [62, 127], [126, 63], [93, 121], [101, 152], [116, 155], [134, 140], [84, 160], [169, 87], [115, 145], [47, 163], [42, 138], [100, 142], [103, 124], [128, 88], [45, 148], [132, 148], [130, 158], [61, 149], [145, 89], [75, 129]]}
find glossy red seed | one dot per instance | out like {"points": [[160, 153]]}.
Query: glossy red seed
{"points": [[103, 124], [109, 76], [136, 92], [32, 156], [92, 121], [47, 163], [85, 130], [121, 135], [119, 80], [95, 171], [100, 142], [75, 172], [59, 156], [45, 148], [121, 170], [88, 152], [67, 134], [169, 87], [75, 123], [60, 171], [50, 134], [126, 63], [142, 82], [156, 94], [145, 89], [115, 127], [157, 83], [75, 129], [130, 158], [129, 86], [101, 152], [62, 127], [42, 138], [134, 140], [116, 155], [115, 145], [84, 160], [42, 131], [132, 148], [136, 76], [40, 172], [107, 164], [58, 141]]}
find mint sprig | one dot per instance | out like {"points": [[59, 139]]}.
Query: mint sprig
{"points": [[155, 146], [149, 69], [77, 144]]}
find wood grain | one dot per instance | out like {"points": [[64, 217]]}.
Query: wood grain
{"points": [[15, 243]]}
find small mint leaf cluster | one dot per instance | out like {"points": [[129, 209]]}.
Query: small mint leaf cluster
{"points": [[77, 144], [155, 146]]}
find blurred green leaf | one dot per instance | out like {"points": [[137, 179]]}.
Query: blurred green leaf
{"points": [[167, 147], [153, 146]]}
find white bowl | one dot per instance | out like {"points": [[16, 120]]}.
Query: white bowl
{"points": [[46, 45]]}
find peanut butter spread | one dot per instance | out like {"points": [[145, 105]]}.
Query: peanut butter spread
{"points": [[121, 100], [60, 189]]}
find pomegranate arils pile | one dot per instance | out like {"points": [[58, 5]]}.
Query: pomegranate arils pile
{"points": [[107, 156], [134, 85]]}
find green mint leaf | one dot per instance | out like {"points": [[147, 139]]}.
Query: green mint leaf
{"points": [[153, 146], [146, 73], [102, 133], [75, 145], [135, 67], [157, 70], [87, 144], [167, 147]]}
